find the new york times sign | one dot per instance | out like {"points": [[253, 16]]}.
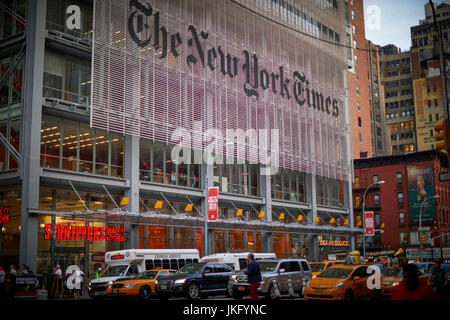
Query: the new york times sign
{"points": [[295, 86]]}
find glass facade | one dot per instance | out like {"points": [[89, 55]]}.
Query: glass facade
{"points": [[71, 145], [12, 18], [156, 165], [57, 21], [66, 78], [288, 185]]}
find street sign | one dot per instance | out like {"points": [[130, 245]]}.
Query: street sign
{"points": [[370, 224], [213, 199], [444, 176]]}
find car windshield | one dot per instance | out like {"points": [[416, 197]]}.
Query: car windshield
{"points": [[268, 266], [317, 267], [115, 271], [339, 273], [190, 269], [392, 272], [147, 275]]}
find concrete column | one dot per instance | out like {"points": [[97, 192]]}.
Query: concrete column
{"points": [[207, 180], [265, 191], [31, 129], [132, 174], [311, 196]]}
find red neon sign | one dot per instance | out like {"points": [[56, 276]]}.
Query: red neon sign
{"points": [[213, 198], [117, 257], [67, 232], [4, 215]]}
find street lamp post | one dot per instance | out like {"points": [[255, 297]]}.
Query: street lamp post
{"points": [[364, 215], [420, 219]]}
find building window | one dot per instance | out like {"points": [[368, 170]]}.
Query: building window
{"points": [[69, 145], [401, 218], [403, 238], [375, 178], [399, 177], [357, 89], [359, 106], [376, 199], [360, 138], [400, 198], [354, 29], [357, 201], [356, 182], [359, 122], [354, 44], [353, 15]]}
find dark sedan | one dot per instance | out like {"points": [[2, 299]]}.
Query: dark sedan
{"points": [[195, 281]]}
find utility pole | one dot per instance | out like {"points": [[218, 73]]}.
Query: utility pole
{"points": [[437, 27]]}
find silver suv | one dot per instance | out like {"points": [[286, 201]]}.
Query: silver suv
{"points": [[279, 277]]}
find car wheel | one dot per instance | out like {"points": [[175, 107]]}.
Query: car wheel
{"points": [[349, 295], [145, 293], [237, 296], [272, 293], [193, 291]]}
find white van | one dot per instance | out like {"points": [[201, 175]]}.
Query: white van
{"points": [[125, 264], [238, 261]]}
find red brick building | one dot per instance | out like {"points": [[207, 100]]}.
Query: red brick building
{"points": [[398, 204], [358, 82]]}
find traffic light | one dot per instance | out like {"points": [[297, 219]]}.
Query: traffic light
{"points": [[423, 239], [443, 135]]}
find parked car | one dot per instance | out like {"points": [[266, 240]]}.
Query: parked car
{"points": [[197, 280], [346, 281], [238, 260], [142, 286], [279, 277], [391, 277], [318, 267]]}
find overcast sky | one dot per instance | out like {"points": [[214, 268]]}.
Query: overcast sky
{"points": [[396, 18]]}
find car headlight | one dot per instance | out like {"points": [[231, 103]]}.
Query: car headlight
{"points": [[180, 281], [129, 285], [307, 284], [156, 282], [340, 284], [395, 284], [110, 284], [233, 277], [314, 277], [89, 284]]}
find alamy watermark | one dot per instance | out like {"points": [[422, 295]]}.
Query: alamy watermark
{"points": [[231, 146]]}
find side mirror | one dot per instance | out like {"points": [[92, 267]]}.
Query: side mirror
{"points": [[282, 270], [356, 278]]}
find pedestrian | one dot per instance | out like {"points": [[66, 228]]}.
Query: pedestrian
{"points": [[12, 270], [253, 273], [58, 278], [24, 269], [79, 281], [98, 273], [411, 288], [438, 280], [2, 282]]}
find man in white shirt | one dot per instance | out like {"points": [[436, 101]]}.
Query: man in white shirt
{"points": [[58, 276]]}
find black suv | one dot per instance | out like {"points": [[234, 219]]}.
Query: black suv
{"points": [[197, 280]]}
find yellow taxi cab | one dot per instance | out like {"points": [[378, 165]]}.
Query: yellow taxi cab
{"points": [[392, 277], [318, 267], [142, 286], [340, 282]]}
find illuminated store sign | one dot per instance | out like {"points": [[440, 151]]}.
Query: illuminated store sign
{"points": [[4, 215], [335, 243], [67, 232]]}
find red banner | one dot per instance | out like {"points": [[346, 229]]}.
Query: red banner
{"points": [[213, 199], [370, 223]]}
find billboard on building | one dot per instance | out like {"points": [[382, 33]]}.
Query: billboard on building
{"points": [[421, 192], [161, 66]]}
